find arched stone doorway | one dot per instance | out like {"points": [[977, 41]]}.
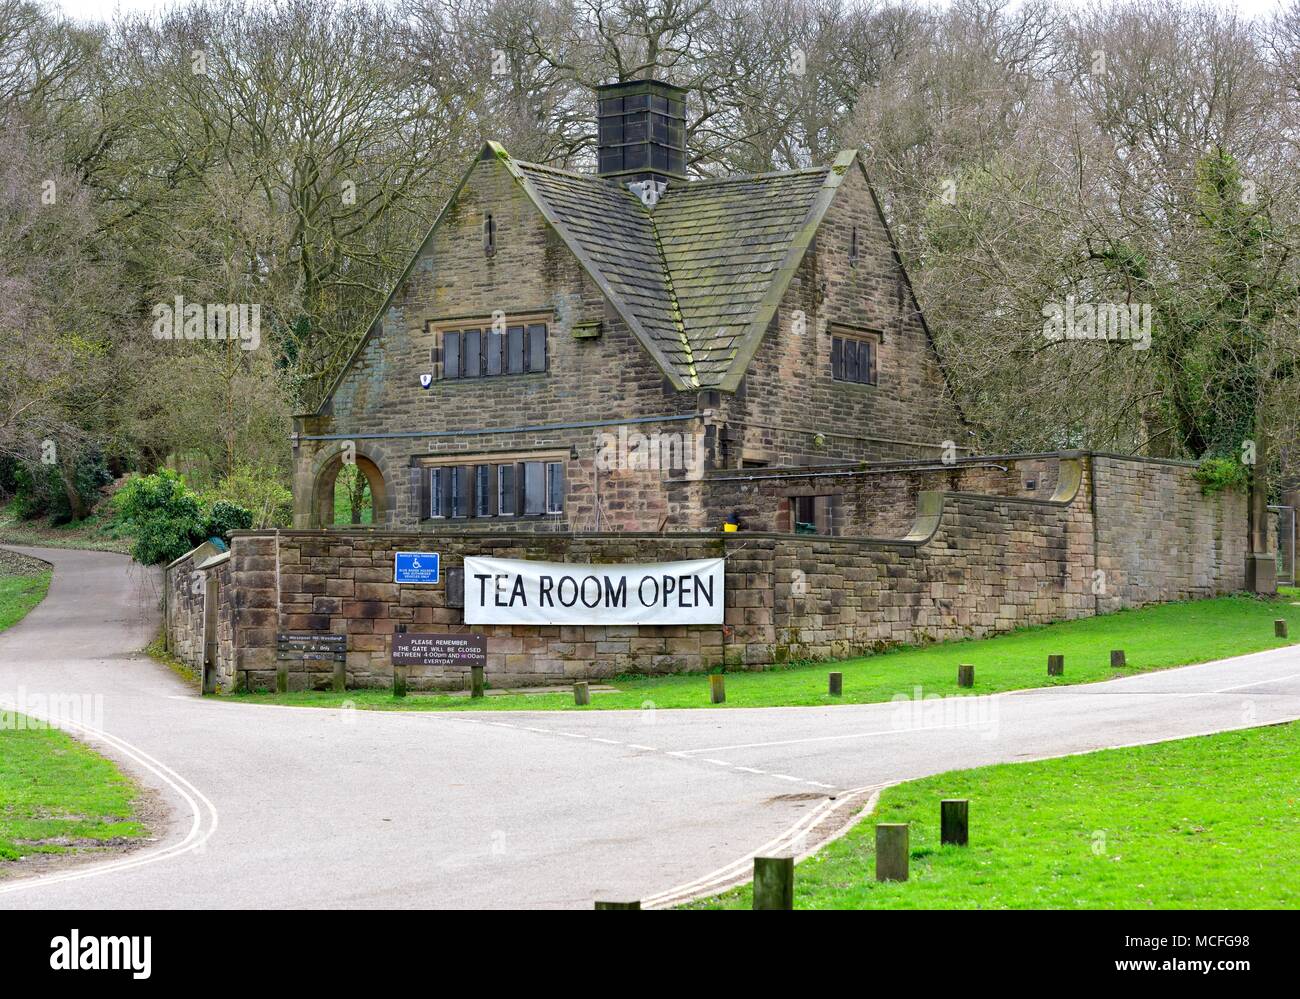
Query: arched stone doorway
{"points": [[323, 507]]}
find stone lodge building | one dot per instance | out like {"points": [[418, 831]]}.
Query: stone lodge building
{"points": [[558, 334]]}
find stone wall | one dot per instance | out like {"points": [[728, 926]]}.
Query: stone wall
{"points": [[986, 557], [187, 583], [183, 606], [1159, 538], [869, 501]]}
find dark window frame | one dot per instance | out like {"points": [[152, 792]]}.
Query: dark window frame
{"points": [[521, 347], [492, 486], [855, 357], [814, 514]]}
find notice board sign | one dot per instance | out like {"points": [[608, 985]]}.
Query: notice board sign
{"points": [[510, 591], [415, 567], [447, 651], [311, 646]]}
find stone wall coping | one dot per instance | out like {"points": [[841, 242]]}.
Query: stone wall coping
{"points": [[796, 471], [214, 561], [930, 507], [189, 554], [919, 464], [1180, 462]]}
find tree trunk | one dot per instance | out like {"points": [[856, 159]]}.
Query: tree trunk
{"points": [[68, 474]]}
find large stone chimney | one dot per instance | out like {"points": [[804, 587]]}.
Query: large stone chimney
{"points": [[642, 134]]}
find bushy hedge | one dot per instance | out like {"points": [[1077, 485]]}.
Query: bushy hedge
{"points": [[225, 517], [259, 490], [167, 519]]}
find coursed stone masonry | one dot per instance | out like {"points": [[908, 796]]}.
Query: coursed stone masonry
{"points": [[982, 554]]}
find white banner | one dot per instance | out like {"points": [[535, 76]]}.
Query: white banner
{"points": [[511, 591]]}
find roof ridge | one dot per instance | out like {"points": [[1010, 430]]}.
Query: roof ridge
{"points": [[741, 177], [566, 173], [695, 182]]}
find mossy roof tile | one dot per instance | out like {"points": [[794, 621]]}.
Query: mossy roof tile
{"points": [[697, 271]]}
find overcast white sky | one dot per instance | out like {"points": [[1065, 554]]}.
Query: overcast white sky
{"points": [[102, 10]]}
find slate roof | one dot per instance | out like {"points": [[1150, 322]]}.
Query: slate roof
{"points": [[698, 276]]}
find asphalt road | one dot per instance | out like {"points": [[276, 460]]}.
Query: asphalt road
{"points": [[292, 807]]}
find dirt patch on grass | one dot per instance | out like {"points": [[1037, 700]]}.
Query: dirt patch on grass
{"points": [[149, 810]]}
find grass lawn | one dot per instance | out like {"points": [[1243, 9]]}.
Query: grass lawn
{"points": [[19, 594], [1152, 638], [56, 795], [1210, 822]]}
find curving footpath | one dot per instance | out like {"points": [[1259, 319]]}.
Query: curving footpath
{"points": [[291, 807]]}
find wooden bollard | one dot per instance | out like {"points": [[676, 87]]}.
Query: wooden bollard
{"points": [[581, 693], [1055, 665], [618, 905], [340, 677], [954, 821], [836, 684], [966, 675], [476, 681], [717, 688], [1279, 628], [281, 679], [891, 851], [774, 882], [1117, 658], [399, 672]]}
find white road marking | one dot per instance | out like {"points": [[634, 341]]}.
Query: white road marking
{"points": [[817, 738], [738, 871], [197, 836], [680, 754], [1257, 683]]}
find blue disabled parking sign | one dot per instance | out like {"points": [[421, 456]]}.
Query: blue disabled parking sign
{"points": [[415, 567]]}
